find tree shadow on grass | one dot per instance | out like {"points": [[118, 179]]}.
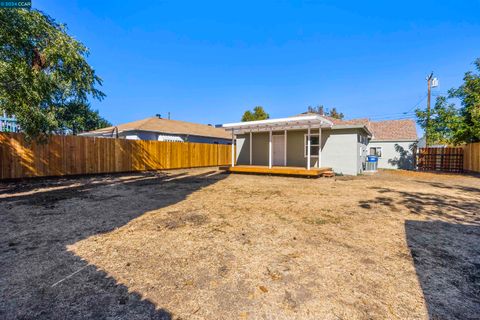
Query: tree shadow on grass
{"points": [[40, 279], [447, 262], [457, 208], [460, 188], [445, 248]]}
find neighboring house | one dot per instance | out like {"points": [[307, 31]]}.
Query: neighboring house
{"points": [[394, 141], [422, 143], [157, 128], [339, 144], [8, 124]]}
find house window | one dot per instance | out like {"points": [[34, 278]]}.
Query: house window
{"points": [[362, 139], [314, 145], [376, 151]]}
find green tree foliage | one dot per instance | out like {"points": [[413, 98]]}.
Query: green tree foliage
{"points": [[449, 124], [320, 109], [79, 117], [444, 122], [469, 95], [257, 114], [44, 75], [335, 114]]}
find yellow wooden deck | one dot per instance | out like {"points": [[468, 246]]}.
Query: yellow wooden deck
{"points": [[289, 171]]}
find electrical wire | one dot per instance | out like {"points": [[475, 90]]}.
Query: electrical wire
{"points": [[392, 116], [416, 104], [409, 114]]}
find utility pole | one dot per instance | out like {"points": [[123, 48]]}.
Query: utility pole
{"points": [[429, 84]]}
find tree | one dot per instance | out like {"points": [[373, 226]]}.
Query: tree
{"points": [[77, 117], [257, 114], [335, 114], [444, 123], [469, 95], [449, 124], [44, 73], [320, 109]]}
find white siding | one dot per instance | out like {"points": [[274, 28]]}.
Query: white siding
{"points": [[395, 154], [341, 151], [147, 135]]}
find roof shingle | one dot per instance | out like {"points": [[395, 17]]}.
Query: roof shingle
{"points": [[156, 124], [382, 130], [394, 130]]}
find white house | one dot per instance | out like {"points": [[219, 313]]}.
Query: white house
{"points": [[393, 141], [160, 129], [314, 141]]}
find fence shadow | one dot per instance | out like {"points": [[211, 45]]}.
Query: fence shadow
{"points": [[447, 262], [40, 279], [445, 248]]}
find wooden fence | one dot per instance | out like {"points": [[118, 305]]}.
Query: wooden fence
{"points": [[72, 155], [471, 157], [440, 159], [457, 159]]}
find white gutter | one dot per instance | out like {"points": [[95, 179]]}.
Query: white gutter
{"points": [[279, 121]]}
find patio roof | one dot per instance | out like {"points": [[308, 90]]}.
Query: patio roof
{"points": [[291, 123]]}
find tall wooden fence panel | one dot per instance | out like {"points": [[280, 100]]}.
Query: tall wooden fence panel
{"points": [[71, 155], [471, 157], [440, 159]]}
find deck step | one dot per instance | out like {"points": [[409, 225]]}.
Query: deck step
{"points": [[277, 170], [328, 174]]}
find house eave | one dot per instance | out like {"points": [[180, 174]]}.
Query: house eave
{"points": [[108, 134], [291, 123], [353, 126], [393, 140]]}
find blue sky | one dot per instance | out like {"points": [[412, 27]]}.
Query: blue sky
{"points": [[208, 62]]}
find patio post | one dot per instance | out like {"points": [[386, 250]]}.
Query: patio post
{"points": [[270, 149], [308, 148], [233, 149], [320, 146], [250, 146], [285, 148]]}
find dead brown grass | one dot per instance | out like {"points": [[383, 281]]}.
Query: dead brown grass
{"points": [[390, 246]]}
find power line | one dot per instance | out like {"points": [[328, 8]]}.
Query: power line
{"points": [[419, 101], [409, 115], [397, 114], [386, 114], [393, 115]]}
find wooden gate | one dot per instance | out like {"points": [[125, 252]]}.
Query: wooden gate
{"points": [[440, 159], [471, 157]]}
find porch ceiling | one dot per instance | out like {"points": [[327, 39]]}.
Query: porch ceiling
{"points": [[293, 123]]}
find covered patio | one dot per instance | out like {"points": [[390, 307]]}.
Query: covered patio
{"points": [[278, 148]]}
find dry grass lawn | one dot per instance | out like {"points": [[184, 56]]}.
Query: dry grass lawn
{"points": [[199, 244]]}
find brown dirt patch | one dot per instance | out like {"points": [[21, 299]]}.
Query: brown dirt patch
{"points": [[194, 244]]}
